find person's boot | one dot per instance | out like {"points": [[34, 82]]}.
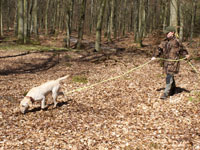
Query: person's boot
{"points": [[164, 96], [172, 92]]}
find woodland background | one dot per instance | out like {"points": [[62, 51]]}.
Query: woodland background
{"points": [[112, 17], [92, 41]]}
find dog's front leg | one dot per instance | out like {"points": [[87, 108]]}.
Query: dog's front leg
{"points": [[54, 95], [43, 105]]}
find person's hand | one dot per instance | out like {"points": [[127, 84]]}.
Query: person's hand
{"points": [[153, 58], [187, 57]]}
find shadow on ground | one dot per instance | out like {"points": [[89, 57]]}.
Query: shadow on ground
{"points": [[29, 63], [177, 91], [60, 104]]}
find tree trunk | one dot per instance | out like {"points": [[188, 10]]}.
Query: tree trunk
{"points": [[173, 13], [68, 30], [91, 16], [112, 19], [136, 14], [107, 24], [181, 21], [99, 25], [57, 16], [8, 20], [25, 21], [81, 24], [71, 13], [30, 10], [35, 17], [1, 19], [46, 17], [16, 19], [165, 15], [141, 22], [192, 20], [124, 18], [20, 21]]}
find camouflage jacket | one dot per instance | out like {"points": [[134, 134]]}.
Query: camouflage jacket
{"points": [[171, 49]]}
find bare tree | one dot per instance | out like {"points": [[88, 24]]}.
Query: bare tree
{"points": [[35, 17], [69, 12], [20, 20], [46, 17], [193, 19], [25, 22], [181, 20], [99, 25], [173, 13], [141, 23], [1, 19], [81, 24]]}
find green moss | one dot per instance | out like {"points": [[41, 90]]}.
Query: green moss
{"points": [[28, 47], [154, 145], [160, 75], [68, 64], [195, 98], [197, 58], [80, 79]]}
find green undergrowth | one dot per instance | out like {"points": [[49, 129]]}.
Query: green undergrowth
{"points": [[33, 45], [29, 47], [195, 98], [80, 79], [197, 58]]}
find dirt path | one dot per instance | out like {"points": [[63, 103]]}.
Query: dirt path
{"points": [[120, 114]]}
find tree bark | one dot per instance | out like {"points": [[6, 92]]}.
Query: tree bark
{"points": [[192, 20], [25, 22], [81, 24], [165, 14], [46, 17], [113, 18], [99, 26], [35, 17], [124, 18], [69, 13], [181, 21], [30, 10], [1, 19], [136, 14], [20, 21], [173, 13], [141, 23], [91, 16]]}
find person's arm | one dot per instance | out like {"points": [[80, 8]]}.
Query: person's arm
{"points": [[159, 50], [183, 52]]}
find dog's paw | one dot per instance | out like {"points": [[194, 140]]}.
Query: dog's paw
{"points": [[55, 105], [44, 107]]}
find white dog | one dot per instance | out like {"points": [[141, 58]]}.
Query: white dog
{"points": [[39, 93]]}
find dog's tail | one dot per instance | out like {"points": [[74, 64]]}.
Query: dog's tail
{"points": [[62, 78]]}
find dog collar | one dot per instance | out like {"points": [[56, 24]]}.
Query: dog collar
{"points": [[32, 100]]}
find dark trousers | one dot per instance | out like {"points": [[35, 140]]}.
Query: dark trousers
{"points": [[170, 85]]}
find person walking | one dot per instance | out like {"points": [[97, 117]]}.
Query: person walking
{"points": [[170, 48]]}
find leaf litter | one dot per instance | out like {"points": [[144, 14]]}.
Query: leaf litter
{"points": [[125, 113]]}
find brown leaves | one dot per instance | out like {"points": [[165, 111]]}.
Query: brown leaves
{"points": [[125, 113]]}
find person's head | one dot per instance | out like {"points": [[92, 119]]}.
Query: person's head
{"points": [[170, 31]]}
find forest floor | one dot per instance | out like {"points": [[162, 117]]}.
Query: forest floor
{"points": [[120, 114]]}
